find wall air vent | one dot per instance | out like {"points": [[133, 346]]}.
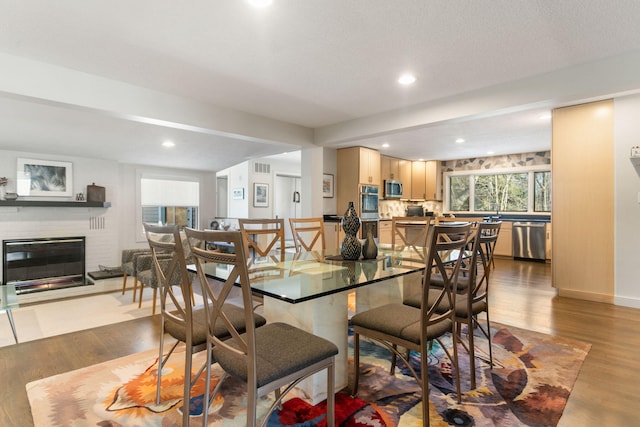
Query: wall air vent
{"points": [[261, 167]]}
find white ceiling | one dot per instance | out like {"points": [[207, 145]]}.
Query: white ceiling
{"points": [[228, 82]]}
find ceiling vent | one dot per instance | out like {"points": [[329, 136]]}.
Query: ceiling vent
{"points": [[261, 167]]}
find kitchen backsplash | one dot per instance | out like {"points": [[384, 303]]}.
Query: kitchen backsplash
{"points": [[502, 162], [391, 208]]}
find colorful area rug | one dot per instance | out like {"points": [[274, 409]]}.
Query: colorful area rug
{"points": [[529, 386]]}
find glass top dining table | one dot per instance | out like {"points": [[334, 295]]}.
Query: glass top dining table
{"points": [[305, 276]]}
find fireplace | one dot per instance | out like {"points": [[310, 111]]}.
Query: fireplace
{"points": [[42, 264]]}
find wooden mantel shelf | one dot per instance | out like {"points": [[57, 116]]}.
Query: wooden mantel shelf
{"points": [[54, 204]]}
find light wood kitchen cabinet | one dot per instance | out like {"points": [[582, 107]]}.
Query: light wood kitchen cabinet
{"points": [[389, 168], [356, 165], [369, 166], [404, 169], [433, 180], [504, 245], [418, 180], [426, 180], [333, 235], [384, 231]]}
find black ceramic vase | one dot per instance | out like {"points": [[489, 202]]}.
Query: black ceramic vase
{"points": [[351, 247]]}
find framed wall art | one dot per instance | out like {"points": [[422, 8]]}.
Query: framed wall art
{"points": [[44, 178], [238, 193], [327, 185], [260, 195]]}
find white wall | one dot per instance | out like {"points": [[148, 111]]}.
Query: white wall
{"points": [[627, 208], [330, 166], [31, 222], [103, 243]]}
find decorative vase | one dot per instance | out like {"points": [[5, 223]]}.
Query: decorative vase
{"points": [[351, 247], [369, 249]]}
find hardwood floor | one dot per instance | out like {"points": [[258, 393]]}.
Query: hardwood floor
{"points": [[605, 393]]}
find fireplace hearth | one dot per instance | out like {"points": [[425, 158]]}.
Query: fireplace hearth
{"points": [[42, 264]]}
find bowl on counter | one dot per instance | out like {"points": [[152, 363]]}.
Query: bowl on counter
{"points": [[11, 196]]}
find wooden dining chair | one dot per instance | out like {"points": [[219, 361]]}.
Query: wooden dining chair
{"points": [[401, 326], [263, 237], [180, 319], [268, 358], [308, 233]]}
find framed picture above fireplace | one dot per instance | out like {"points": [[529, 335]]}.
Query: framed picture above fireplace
{"points": [[44, 178]]}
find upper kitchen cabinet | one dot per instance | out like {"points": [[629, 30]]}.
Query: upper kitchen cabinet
{"points": [[404, 171], [356, 166], [433, 180], [369, 166], [389, 168], [426, 180], [418, 180], [364, 160]]}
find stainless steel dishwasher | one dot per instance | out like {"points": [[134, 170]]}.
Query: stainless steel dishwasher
{"points": [[530, 240]]}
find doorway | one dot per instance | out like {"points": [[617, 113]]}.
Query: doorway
{"points": [[287, 200]]}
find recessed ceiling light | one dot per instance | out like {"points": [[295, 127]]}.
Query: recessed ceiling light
{"points": [[385, 145], [459, 141], [260, 3], [168, 144], [491, 153], [407, 79]]}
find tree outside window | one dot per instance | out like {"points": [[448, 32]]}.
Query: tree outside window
{"points": [[526, 191]]}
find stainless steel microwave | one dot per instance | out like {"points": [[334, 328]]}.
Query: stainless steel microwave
{"points": [[392, 189]]}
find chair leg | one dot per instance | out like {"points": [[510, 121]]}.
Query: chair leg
{"points": [[472, 351], [424, 374], [155, 294], [356, 363], [331, 395], [392, 369], [187, 386], [140, 296], [124, 284], [489, 338], [135, 287], [159, 384]]}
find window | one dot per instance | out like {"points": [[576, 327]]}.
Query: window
{"points": [[167, 201], [521, 191]]}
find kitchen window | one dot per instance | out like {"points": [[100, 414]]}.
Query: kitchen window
{"points": [[524, 191]]}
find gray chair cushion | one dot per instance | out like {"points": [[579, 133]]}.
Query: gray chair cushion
{"points": [[233, 312], [476, 307], [415, 300], [398, 320], [281, 350]]}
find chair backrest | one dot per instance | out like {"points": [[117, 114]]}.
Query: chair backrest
{"points": [[308, 233], [486, 236], [244, 346], [410, 232], [174, 281], [263, 237], [445, 255]]}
